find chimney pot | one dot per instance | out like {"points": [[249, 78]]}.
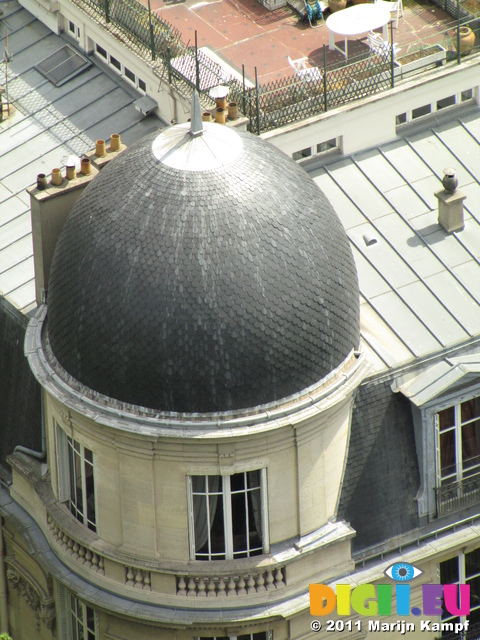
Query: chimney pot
{"points": [[100, 149], [57, 177], [86, 167], [71, 172], [41, 181], [115, 142], [450, 180]]}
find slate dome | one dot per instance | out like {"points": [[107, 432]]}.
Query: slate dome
{"points": [[202, 274]]}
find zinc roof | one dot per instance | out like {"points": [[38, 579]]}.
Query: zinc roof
{"points": [[46, 125], [419, 285]]}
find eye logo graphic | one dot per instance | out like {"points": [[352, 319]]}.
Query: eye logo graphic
{"points": [[372, 600], [402, 572]]}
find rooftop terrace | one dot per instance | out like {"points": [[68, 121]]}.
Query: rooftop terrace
{"points": [[243, 32]]}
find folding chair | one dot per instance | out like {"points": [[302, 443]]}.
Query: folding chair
{"points": [[303, 72], [394, 7], [379, 46]]}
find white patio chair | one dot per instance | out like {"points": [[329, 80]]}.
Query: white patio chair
{"points": [[303, 72], [379, 46], [394, 7]]}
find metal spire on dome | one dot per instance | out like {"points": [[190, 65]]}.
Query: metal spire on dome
{"points": [[196, 126]]}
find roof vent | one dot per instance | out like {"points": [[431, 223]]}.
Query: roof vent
{"points": [[450, 203], [369, 239]]}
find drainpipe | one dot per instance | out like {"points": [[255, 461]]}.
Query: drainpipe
{"points": [[40, 455], [3, 585]]}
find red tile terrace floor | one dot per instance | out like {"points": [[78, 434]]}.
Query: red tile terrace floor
{"points": [[244, 32]]}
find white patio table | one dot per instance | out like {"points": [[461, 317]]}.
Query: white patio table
{"points": [[355, 20]]}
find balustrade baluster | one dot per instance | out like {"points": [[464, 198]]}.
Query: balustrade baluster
{"points": [[181, 586], [147, 583], [88, 558], [192, 587], [260, 582], [231, 588], [202, 587], [211, 587], [269, 580], [130, 582], [241, 587], [221, 587], [138, 579], [250, 584], [278, 578], [64, 542]]}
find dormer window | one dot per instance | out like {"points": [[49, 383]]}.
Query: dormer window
{"points": [[445, 401], [458, 455]]}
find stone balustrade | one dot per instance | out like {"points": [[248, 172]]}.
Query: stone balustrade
{"points": [[231, 585], [138, 578], [81, 554], [240, 583]]}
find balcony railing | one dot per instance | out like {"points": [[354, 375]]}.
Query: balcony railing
{"points": [[269, 576], [457, 495]]}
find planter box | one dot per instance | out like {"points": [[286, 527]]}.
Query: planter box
{"points": [[437, 56]]}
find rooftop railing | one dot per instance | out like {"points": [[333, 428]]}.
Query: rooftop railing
{"points": [[289, 99]]}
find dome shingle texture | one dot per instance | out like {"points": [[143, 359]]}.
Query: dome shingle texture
{"points": [[202, 291]]}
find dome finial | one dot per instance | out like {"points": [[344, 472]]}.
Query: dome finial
{"points": [[196, 127]]}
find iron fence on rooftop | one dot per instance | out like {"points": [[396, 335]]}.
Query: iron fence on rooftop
{"points": [[286, 100], [296, 98], [146, 29]]}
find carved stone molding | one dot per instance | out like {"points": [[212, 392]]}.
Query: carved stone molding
{"points": [[44, 609]]}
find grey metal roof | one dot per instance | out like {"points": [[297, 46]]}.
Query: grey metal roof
{"points": [[47, 125], [419, 285], [202, 291]]}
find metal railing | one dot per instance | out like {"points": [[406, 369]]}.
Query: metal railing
{"points": [[457, 495], [289, 99], [296, 98]]}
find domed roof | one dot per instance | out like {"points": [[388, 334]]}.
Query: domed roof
{"points": [[202, 273]]}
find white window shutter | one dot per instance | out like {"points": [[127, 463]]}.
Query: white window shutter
{"points": [[264, 505], [63, 613], [63, 473], [438, 469], [191, 523]]}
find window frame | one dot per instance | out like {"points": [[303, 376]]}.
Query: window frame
{"points": [[67, 446], [463, 578], [424, 418], [226, 493], [68, 608], [459, 473], [120, 68]]}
